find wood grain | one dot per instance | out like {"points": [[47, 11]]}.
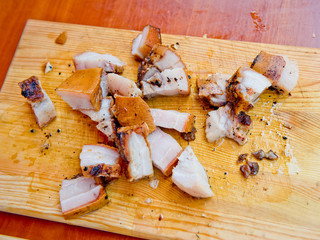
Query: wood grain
{"points": [[275, 204], [286, 22]]}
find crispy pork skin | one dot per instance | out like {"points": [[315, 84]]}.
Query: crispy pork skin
{"points": [[164, 151], [80, 196], [134, 149], [132, 111], [190, 176], [283, 72], [100, 160], [109, 63], [82, 89], [143, 43], [39, 101]]}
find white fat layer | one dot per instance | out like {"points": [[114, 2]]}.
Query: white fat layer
{"points": [[173, 82], [190, 176], [289, 76], [221, 80], [170, 119], [75, 187], [104, 85], [122, 86], [217, 124], [251, 79], [106, 127], [141, 164], [94, 155], [135, 47], [44, 110], [76, 100], [91, 60], [80, 199], [170, 60], [104, 112], [164, 149]]}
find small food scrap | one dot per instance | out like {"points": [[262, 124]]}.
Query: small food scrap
{"points": [[154, 183], [287, 125], [271, 155], [242, 157], [205, 35], [313, 35], [62, 38], [285, 137], [260, 154], [250, 168], [148, 201], [175, 46], [160, 216], [189, 136], [48, 68]]}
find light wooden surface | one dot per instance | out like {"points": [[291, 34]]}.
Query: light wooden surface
{"points": [[274, 204]]}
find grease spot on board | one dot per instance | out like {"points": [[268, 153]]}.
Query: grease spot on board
{"points": [[30, 189]]}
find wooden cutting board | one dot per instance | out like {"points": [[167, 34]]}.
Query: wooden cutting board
{"points": [[282, 201]]}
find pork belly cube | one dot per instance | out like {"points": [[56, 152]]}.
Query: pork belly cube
{"points": [[224, 123], [122, 86], [244, 88], [39, 101], [164, 151], [143, 43], [134, 149], [100, 160], [170, 82], [80, 196], [82, 89], [182, 122], [109, 63], [213, 89], [132, 111], [283, 72], [190, 176]]}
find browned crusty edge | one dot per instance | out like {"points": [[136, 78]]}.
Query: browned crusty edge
{"points": [[132, 111], [271, 66], [89, 207], [167, 172], [189, 125], [154, 37], [234, 97]]}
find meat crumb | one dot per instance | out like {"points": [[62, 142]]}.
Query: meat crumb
{"points": [[160, 217], [260, 154], [250, 168], [271, 155], [203, 215], [242, 157], [287, 125], [62, 38]]}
